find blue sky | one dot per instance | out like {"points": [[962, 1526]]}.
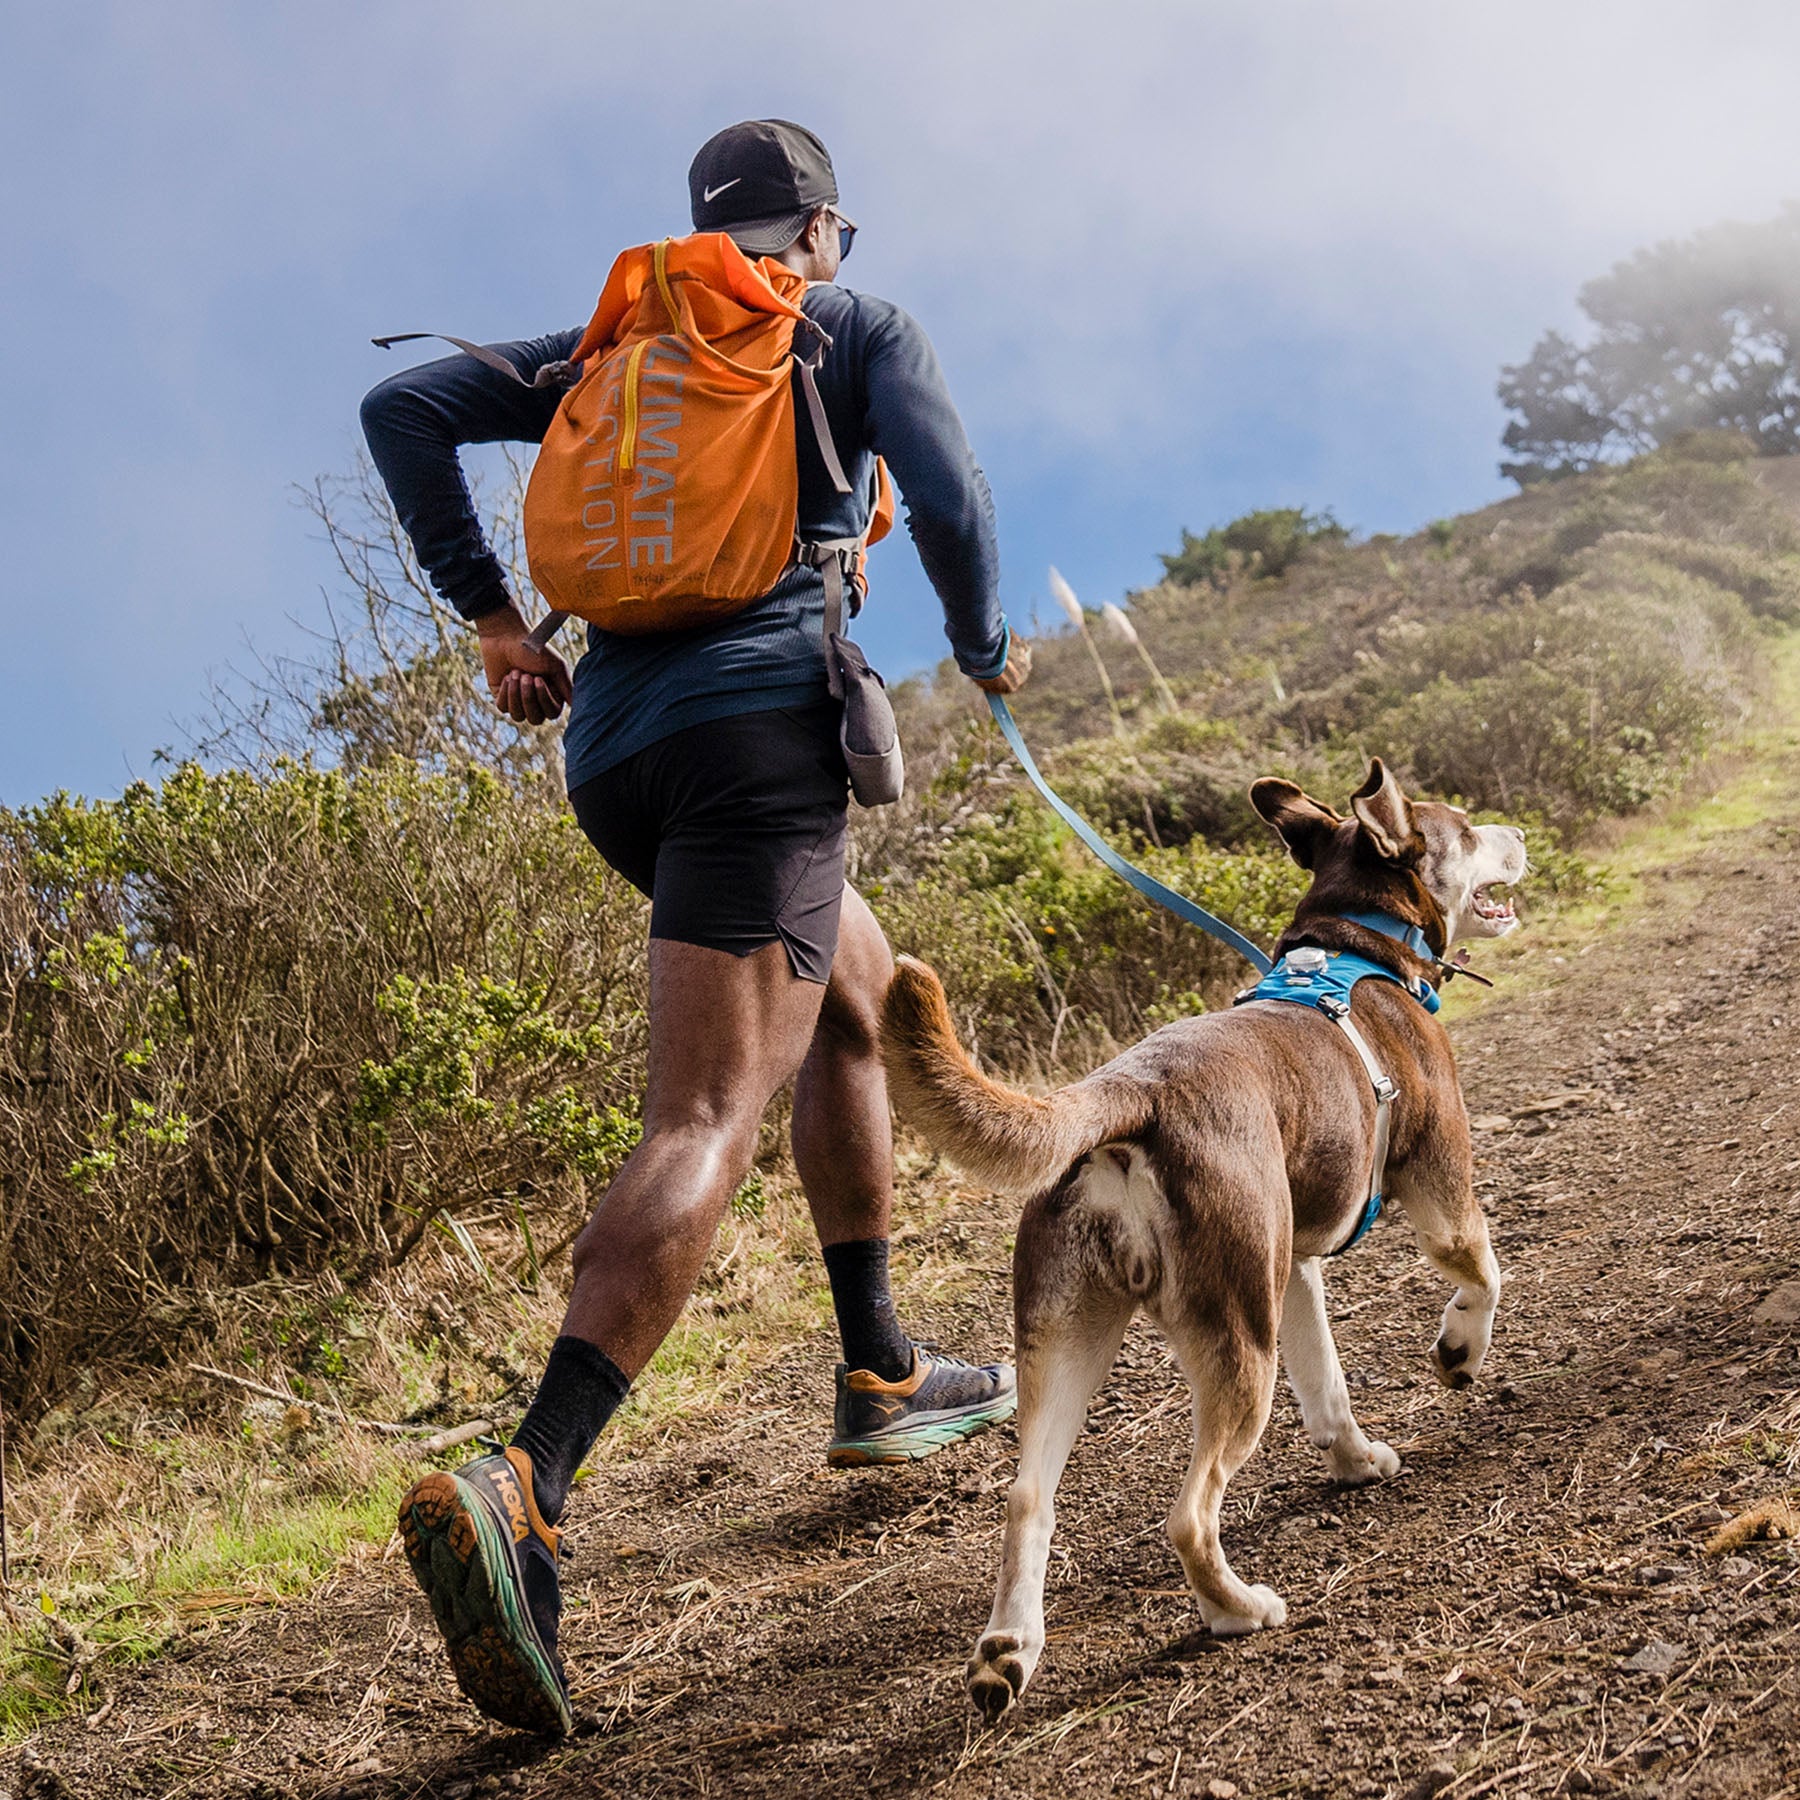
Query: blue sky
{"points": [[1179, 260]]}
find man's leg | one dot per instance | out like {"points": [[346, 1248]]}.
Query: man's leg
{"points": [[725, 1033], [844, 1145], [894, 1404]]}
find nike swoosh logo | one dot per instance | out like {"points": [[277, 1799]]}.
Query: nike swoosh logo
{"points": [[712, 194]]}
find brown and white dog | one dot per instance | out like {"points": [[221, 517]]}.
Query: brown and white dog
{"points": [[1202, 1174]]}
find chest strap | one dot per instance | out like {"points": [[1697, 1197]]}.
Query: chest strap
{"points": [[1324, 980], [1338, 1012]]}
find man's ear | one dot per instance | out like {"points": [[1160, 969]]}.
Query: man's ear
{"points": [[1385, 813], [1303, 823]]}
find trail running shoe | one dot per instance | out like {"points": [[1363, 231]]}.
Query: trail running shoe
{"points": [[487, 1562], [941, 1402]]}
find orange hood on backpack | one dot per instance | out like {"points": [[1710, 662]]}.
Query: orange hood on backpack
{"points": [[726, 290]]}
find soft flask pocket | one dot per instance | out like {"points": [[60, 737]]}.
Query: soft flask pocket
{"points": [[870, 738]]}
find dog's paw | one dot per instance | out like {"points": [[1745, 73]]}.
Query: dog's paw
{"points": [[1450, 1364], [997, 1674], [1357, 1468], [1264, 1612]]}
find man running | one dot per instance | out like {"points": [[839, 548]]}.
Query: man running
{"points": [[704, 765]]}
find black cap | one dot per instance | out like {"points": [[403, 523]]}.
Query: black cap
{"points": [[760, 181]]}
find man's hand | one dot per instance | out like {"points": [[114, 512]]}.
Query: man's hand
{"points": [[529, 685], [1012, 677]]}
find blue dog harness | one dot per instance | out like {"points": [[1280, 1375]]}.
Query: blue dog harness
{"points": [[1323, 980]]}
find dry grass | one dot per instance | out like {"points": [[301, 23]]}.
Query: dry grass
{"points": [[176, 1501]]}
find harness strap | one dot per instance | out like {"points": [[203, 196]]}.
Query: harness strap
{"points": [[1339, 1014], [838, 560], [1147, 885]]}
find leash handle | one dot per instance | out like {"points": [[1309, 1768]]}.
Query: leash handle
{"points": [[1129, 873]]}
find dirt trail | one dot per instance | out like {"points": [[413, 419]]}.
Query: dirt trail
{"points": [[1526, 1609]]}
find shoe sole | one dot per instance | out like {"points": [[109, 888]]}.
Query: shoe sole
{"points": [[913, 1442], [463, 1557]]}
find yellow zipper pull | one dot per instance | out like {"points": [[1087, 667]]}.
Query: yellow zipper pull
{"points": [[628, 435]]}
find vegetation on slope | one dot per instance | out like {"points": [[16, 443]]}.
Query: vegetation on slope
{"points": [[265, 1022], [308, 1067], [1560, 657]]}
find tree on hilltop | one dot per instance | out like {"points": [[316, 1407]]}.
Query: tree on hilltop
{"points": [[1697, 334]]}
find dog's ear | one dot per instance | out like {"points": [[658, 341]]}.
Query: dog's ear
{"points": [[1303, 823], [1385, 814]]}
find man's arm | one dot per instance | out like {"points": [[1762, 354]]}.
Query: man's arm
{"points": [[912, 421], [416, 420]]}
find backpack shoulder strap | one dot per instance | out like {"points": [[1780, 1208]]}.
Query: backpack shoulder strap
{"points": [[815, 407]]}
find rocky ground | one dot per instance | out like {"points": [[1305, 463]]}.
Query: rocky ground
{"points": [[1578, 1584]]}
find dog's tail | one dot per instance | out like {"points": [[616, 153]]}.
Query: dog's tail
{"points": [[1010, 1140]]}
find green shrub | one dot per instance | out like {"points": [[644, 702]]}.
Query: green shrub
{"points": [[259, 1024], [1178, 779], [1260, 544]]}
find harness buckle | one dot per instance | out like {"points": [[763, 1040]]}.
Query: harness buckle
{"points": [[1332, 1007]]}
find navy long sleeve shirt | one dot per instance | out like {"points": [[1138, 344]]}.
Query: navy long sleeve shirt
{"points": [[884, 395]]}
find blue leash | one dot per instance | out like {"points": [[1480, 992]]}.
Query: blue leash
{"points": [[1129, 873]]}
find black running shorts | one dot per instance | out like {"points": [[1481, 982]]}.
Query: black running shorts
{"points": [[735, 829]]}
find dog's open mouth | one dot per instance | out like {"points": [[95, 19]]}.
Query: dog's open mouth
{"points": [[1496, 908]]}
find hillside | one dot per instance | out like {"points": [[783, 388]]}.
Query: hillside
{"points": [[1336, 651], [313, 1071]]}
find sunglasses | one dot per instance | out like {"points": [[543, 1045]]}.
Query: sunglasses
{"points": [[846, 233]]}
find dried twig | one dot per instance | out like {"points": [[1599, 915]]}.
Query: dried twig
{"points": [[434, 1438], [461, 1434]]}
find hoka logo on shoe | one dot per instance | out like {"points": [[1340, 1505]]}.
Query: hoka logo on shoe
{"points": [[512, 1497]]}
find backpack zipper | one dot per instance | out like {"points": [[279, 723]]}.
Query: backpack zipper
{"points": [[628, 436], [634, 362]]}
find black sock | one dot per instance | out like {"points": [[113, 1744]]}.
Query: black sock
{"points": [[865, 1309], [582, 1388]]}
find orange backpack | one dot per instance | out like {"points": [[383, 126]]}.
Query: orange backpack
{"points": [[666, 492]]}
